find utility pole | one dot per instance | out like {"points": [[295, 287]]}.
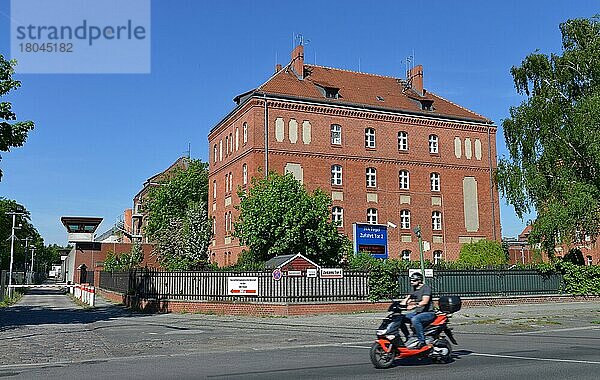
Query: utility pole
{"points": [[12, 249], [417, 232], [32, 251]]}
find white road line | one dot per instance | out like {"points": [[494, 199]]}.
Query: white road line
{"points": [[537, 359], [558, 330]]}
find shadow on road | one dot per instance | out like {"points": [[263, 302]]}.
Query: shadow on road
{"points": [[64, 312]]}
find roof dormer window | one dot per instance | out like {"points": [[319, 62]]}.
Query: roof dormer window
{"points": [[328, 91], [426, 105], [331, 92]]}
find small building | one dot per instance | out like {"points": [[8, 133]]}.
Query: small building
{"points": [[292, 263]]}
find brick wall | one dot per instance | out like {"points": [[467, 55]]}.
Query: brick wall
{"points": [[317, 157], [275, 309]]}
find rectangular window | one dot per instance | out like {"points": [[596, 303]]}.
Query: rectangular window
{"points": [[336, 175], [369, 138], [371, 177], [402, 141], [336, 134], [433, 144]]}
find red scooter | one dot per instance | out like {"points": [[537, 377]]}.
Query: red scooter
{"points": [[391, 345]]}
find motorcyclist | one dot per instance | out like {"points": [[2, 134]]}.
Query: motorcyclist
{"points": [[418, 302]]}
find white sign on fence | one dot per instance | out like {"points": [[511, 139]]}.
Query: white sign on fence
{"points": [[332, 273], [428, 272], [311, 272], [246, 286]]}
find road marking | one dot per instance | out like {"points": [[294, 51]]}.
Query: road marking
{"points": [[537, 359], [558, 330]]}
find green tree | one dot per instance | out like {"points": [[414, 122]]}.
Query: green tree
{"points": [[482, 253], [21, 256], [124, 261], [12, 134], [553, 140], [178, 218], [278, 216]]}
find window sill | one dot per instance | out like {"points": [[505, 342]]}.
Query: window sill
{"points": [[402, 151], [434, 154]]}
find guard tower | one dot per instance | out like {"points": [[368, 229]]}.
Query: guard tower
{"points": [[80, 229]]}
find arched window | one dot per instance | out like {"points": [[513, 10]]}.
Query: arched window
{"points": [[406, 255], [230, 181], [337, 215], [215, 189], [237, 138], [435, 181], [372, 216], [215, 152], [369, 138], [433, 144], [226, 183], [336, 134], [371, 175], [402, 141], [436, 220], [245, 174], [245, 132], [336, 175], [403, 179], [226, 145], [405, 219]]}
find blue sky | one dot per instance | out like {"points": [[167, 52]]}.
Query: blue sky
{"points": [[99, 137]]}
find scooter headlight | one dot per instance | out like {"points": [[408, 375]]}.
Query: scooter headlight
{"points": [[390, 337]]}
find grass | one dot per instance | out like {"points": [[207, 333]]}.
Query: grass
{"points": [[6, 302], [597, 322]]}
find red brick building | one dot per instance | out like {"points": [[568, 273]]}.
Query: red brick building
{"points": [[386, 149], [521, 252]]}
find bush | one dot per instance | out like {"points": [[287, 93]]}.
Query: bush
{"points": [[580, 280], [482, 253]]}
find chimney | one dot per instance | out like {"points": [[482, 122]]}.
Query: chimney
{"points": [[415, 77], [277, 68], [298, 61]]}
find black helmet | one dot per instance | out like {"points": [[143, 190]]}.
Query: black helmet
{"points": [[416, 276]]}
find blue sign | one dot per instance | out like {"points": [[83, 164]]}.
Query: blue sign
{"points": [[371, 238]]}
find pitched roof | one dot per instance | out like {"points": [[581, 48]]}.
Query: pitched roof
{"points": [[279, 261], [376, 91]]}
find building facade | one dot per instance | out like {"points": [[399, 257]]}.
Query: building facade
{"points": [[387, 150]]}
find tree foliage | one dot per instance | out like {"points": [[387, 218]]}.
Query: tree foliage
{"points": [[26, 237], [553, 140], [178, 218], [482, 253], [12, 134], [279, 216], [124, 261]]}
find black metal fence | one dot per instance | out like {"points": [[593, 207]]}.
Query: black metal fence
{"points": [[213, 286], [478, 283]]}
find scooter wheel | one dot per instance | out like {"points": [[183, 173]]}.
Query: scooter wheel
{"points": [[380, 358], [443, 343]]}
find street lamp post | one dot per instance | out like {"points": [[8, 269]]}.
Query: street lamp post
{"points": [[32, 275], [12, 249], [417, 231]]}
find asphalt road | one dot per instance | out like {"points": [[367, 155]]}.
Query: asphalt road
{"points": [[47, 336]]}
